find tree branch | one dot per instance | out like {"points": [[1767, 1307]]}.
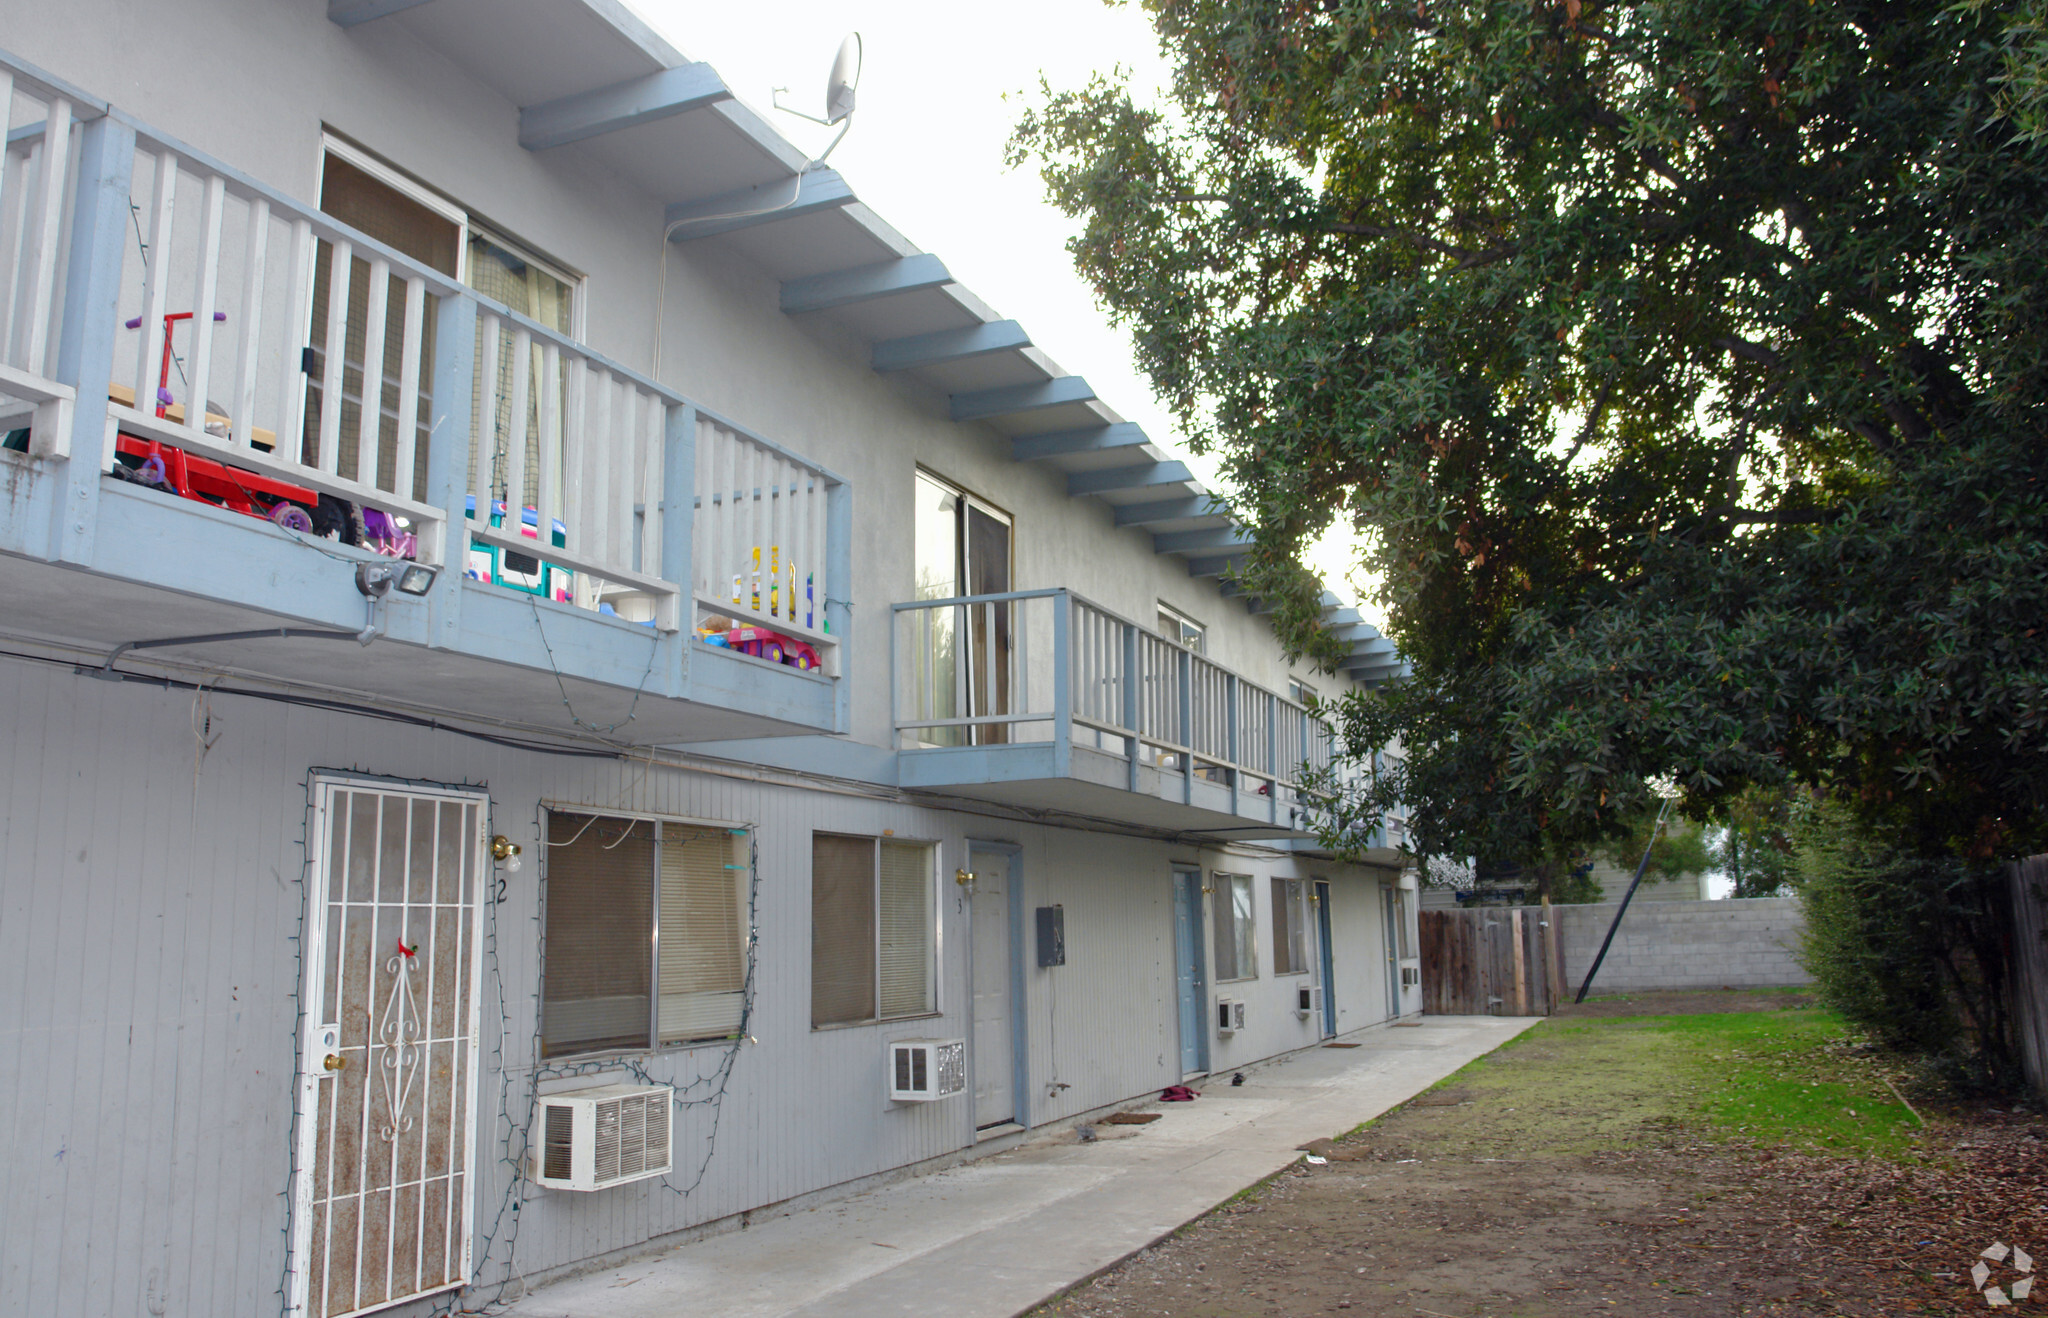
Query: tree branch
{"points": [[1592, 421]]}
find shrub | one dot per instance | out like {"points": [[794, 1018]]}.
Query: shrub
{"points": [[1910, 948]]}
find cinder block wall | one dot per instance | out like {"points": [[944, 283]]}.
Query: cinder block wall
{"points": [[1749, 943]]}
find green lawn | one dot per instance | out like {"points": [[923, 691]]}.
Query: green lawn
{"points": [[1582, 1084]]}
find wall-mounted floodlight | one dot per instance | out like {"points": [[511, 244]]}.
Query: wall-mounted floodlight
{"points": [[375, 580], [840, 87]]}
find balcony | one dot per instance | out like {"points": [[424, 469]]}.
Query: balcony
{"points": [[192, 425], [1042, 700]]}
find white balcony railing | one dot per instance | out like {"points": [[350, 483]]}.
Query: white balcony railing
{"points": [[346, 388], [1036, 666]]}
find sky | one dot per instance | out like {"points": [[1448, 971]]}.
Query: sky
{"points": [[942, 85]]}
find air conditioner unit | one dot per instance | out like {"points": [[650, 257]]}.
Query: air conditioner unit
{"points": [[922, 1070], [1308, 998], [1229, 1015], [608, 1135]]}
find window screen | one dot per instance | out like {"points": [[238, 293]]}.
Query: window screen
{"points": [[646, 933], [842, 929], [1290, 927], [1236, 954], [596, 983], [873, 930]]}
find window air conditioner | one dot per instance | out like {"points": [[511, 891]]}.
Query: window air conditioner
{"points": [[921, 1070], [593, 1138], [1308, 998], [1229, 1015]]}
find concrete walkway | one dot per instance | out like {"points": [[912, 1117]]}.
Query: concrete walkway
{"points": [[994, 1238]]}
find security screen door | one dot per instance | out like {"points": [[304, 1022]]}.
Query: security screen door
{"points": [[382, 1194]]}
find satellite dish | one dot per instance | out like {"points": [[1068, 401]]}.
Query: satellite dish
{"points": [[839, 87]]}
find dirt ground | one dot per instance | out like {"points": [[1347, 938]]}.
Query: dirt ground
{"points": [[1594, 1167]]}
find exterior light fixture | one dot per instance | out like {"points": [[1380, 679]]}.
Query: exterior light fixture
{"points": [[506, 852], [375, 580]]}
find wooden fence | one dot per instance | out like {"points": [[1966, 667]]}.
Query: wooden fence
{"points": [[1491, 961]]}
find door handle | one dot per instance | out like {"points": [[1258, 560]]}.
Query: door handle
{"points": [[334, 1062]]}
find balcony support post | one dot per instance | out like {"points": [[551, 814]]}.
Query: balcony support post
{"points": [[1133, 686], [1062, 684], [1272, 756], [92, 308], [448, 438], [1230, 706], [1184, 663], [678, 534], [839, 569]]}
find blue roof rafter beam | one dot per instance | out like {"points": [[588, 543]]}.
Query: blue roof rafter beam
{"points": [[786, 198], [1169, 510], [1205, 564], [622, 105], [1208, 538], [1087, 439], [348, 13], [1128, 478], [862, 283], [949, 345], [1010, 399]]}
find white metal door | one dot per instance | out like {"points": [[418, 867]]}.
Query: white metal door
{"points": [[995, 1099], [382, 1197]]}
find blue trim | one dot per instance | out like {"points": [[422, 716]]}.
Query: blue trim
{"points": [[625, 104], [949, 345], [1011, 399], [767, 203], [455, 327], [839, 288], [1328, 955], [678, 528], [1129, 478], [1086, 439], [1213, 565]]}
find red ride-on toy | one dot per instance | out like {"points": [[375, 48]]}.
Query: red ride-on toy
{"points": [[163, 466]]}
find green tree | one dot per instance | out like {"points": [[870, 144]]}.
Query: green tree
{"points": [[1684, 366], [1753, 841]]}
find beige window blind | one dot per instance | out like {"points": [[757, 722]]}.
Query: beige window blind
{"points": [[842, 929], [596, 984], [905, 960], [702, 950]]}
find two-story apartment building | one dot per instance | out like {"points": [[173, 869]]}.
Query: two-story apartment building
{"points": [[710, 651]]}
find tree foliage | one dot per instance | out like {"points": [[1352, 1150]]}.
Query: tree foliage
{"points": [[1683, 365]]}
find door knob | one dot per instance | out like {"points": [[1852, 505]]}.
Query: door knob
{"points": [[335, 1061]]}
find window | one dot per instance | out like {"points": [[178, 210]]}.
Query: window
{"points": [[1179, 628], [873, 929], [1236, 955], [1290, 927], [645, 941], [1301, 693]]}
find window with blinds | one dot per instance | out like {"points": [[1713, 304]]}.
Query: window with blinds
{"points": [[1236, 954], [646, 933], [874, 929], [1290, 927]]}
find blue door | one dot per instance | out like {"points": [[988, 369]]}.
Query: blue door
{"points": [[1328, 958], [1188, 970]]}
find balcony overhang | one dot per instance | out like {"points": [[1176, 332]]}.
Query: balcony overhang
{"points": [[164, 567], [1095, 784]]}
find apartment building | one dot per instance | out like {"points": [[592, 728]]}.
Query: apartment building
{"points": [[717, 717]]}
